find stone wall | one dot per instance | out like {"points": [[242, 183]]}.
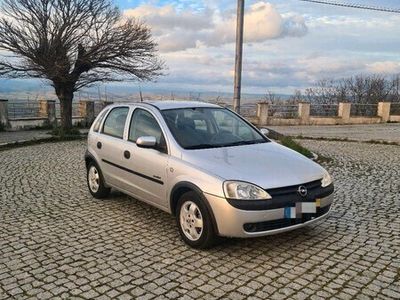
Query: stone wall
{"points": [[305, 118]]}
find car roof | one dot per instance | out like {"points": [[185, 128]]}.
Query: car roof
{"points": [[165, 105]]}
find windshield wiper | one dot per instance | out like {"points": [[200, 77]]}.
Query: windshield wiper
{"points": [[241, 143], [203, 146]]}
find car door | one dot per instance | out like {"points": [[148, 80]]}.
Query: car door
{"points": [[110, 145], [148, 167]]}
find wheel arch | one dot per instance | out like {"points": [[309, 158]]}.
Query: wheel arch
{"points": [[89, 158], [182, 187]]}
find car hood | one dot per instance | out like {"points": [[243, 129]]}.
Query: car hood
{"points": [[268, 165]]}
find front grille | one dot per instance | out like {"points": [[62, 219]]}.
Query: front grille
{"points": [[292, 190], [283, 223], [285, 197]]}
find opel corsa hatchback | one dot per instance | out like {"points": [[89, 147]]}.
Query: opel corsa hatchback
{"points": [[218, 174]]}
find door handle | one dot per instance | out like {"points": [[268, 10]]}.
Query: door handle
{"points": [[127, 154], [99, 145]]}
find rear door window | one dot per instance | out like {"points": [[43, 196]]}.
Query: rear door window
{"points": [[114, 125]]}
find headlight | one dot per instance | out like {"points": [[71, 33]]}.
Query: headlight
{"points": [[244, 191], [326, 180]]}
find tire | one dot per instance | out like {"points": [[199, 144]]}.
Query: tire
{"points": [[95, 181], [189, 211]]}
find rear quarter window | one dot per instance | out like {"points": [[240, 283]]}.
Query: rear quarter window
{"points": [[97, 123]]}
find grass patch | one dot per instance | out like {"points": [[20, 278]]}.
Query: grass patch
{"points": [[60, 132], [376, 142], [381, 142], [41, 127], [289, 142], [292, 144], [329, 139], [323, 159]]}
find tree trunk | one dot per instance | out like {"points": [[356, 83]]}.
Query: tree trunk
{"points": [[66, 96], [66, 113]]}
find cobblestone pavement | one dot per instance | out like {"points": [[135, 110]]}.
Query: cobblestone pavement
{"points": [[384, 132], [56, 241]]}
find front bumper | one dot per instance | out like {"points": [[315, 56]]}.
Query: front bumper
{"points": [[234, 222]]}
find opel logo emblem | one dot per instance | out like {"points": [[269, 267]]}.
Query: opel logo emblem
{"points": [[302, 190]]}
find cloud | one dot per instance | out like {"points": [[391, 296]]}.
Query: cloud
{"points": [[184, 29], [176, 41], [167, 17], [262, 22], [295, 25], [384, 67]]}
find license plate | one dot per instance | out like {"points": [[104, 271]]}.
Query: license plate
{"points": [[308, 208], [301, 208], [290, 212]]}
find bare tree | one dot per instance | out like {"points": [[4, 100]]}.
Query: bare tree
{"points": [[297, 97], [365, 91], [74, 44], [326, 91], [271, 98], [280, 107], [394, 95]]}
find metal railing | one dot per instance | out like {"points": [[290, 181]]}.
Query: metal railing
{"points": [[395, 109], [58, 110], [364, 110], [75, 109], [18, 110], [324, 110], [249, 110], [98, 107], [283, 111]]}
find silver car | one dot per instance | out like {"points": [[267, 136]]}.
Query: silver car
{"points": [[217, 173]]}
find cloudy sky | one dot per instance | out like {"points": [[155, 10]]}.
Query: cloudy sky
{"points": [[289, 44]]}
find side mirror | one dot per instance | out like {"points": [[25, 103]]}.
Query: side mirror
{"points": [[146, 142], [264, 131]]}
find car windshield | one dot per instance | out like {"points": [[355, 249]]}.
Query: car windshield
{"points": [[202, 128]]}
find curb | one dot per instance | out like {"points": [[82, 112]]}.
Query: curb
{"points": [[52, 139]]}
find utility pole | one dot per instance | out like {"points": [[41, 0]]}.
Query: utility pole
{"points": [[239, 55]]}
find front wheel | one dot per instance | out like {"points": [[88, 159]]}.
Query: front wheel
{"points": [[194, 221], [95, 182]]}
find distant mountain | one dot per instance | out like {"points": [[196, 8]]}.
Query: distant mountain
{"points": [[36, 89]]}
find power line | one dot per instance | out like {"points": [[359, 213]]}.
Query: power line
{"points": [[359, 6]]}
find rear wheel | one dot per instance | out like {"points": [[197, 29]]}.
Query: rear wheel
{"points": [[194, 221], [95, 182]]}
